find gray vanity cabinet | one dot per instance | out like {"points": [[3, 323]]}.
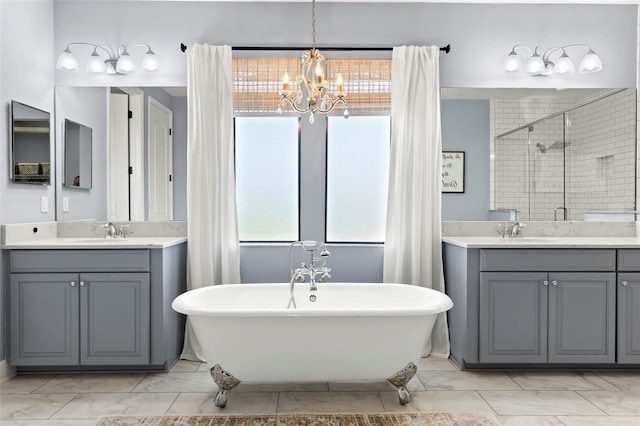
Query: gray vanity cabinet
{"points": [[540, 317], [629, 318], [95, 309], [513, 317], [44, 311], [114, 318], [80, 319], [582, 317], [629, 306], [533, 317], [524, 306]]}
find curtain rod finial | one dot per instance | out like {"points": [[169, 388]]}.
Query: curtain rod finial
{"points": [[446, 49], [183, 47]]}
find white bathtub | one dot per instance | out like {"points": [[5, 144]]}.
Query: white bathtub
{"points": [[352, 331]]}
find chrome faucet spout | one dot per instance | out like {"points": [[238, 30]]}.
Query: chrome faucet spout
{"points": [[316, 267], [111, 230]]}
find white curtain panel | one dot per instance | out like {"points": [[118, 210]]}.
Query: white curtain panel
{"points": [[412, 248], [213, 249]]}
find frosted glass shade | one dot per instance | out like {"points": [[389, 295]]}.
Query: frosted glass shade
{"points": [[95, 63], [535, 64], [150, 62], [564, 65], [125, 64], [512, 63], [590, 63], [67, 61]]}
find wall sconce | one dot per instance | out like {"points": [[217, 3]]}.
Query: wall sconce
{"points": [[122, 63], [543, 65]]}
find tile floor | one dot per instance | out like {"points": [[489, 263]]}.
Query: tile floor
{"points": [[517, 398]]}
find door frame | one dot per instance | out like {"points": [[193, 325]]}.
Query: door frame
{"points": [[162, 107]]}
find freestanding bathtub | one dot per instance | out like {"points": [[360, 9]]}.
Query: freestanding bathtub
{"points": [[352, 331]]}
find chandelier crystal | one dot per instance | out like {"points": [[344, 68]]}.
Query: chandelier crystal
{"points": [[316, 85]]}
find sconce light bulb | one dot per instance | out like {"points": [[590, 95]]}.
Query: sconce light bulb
{"points": [[150, 61], [125, 63], [67, 61], [512, 63], [564, 65], [590, 63], [95, 63], [535, 64]]}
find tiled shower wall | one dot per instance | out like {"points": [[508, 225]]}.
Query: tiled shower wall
{"points": [[513, 166], [598, 154], [601, 164]]}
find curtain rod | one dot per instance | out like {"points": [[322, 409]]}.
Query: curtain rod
{"points": [[446, 49]]}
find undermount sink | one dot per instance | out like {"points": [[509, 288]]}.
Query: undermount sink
{"points": [[528, 240], [99, 240]]}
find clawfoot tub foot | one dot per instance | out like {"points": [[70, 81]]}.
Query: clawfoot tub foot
{"points": [[400, 380], [225, 382]]}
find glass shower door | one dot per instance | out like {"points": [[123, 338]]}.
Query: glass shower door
{"points": [[547, 170], [510, 175]]}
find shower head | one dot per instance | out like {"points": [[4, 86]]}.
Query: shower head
{"points": [[559, 144], [541, 147]]}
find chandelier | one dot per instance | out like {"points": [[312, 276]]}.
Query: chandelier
{"points": [[313, 79]]}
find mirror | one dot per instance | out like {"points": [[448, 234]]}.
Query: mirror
{"points": [[124, 125], [77, 155], [542, 154], [30, 145], [470, 122]]}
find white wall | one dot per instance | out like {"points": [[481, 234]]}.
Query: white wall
{"points": [[26, 75], [87, 106], [480, 35]]}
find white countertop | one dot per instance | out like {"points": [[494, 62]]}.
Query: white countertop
{"points": [[97, 243], [544, 242]]}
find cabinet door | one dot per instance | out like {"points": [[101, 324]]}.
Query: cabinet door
{"points": [[629, 318], [582, 317], [513, 317], [114, 318], [43, 319]]}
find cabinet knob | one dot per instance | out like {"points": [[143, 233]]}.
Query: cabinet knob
{"points": [[554, 282], [625, 283], [73, 283], [82, 283], [545, 282]]}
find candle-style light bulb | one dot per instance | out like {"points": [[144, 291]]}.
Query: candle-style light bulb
{"points": [[319, 72], [285, 82], [339, 82]]}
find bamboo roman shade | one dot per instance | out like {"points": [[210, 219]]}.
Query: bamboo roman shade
{"points": [[257, 83]]}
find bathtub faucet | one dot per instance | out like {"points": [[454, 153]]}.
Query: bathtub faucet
{"points": [[317, 267]]}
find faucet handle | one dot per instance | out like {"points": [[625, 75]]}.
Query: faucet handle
{"points": [[517, 227], [120, 232]]}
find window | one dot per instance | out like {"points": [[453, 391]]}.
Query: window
{"points": [[267, 178], [357, 178], [269, 149]]}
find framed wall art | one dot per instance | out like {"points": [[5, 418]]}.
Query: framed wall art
{"points": [[453, 171]]}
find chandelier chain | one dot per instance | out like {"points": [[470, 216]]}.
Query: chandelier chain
{"points": [[313, 24]]}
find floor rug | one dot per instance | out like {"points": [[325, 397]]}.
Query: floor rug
{"points": [[384, 419]]}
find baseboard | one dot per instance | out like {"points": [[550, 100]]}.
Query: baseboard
{"points": [[6, 371]]}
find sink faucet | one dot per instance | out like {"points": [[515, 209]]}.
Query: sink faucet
{"points": [[516, 228], [511, 229], [114, 231], [111, 230], [316, 267]]}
